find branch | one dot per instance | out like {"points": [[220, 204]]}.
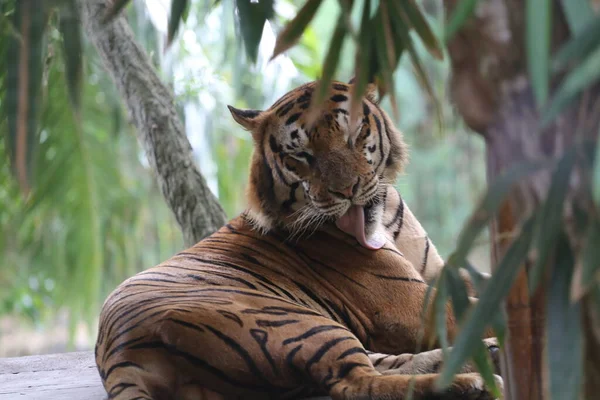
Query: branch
{"points": [[151, 107]]}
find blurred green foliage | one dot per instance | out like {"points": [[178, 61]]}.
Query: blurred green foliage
{"points": [[96, 215]]}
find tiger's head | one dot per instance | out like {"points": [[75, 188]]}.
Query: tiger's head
{"points": [[333, 170]]}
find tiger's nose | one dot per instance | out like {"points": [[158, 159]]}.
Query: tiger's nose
{"points": [[347, 192]]}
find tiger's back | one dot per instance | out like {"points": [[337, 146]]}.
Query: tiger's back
{"points": [[247, 312]]}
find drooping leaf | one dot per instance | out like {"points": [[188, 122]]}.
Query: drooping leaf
{"points": [[581, 77], [481, 316], [439, 304], [596, 174], [578, 14], [537, 40], [114, 10], [589, 262], [70, 30], [421, 26], [386, 53], [329, 67], [292, 31], [460, 304], [363, 60], [402, 22], [565, 338], [551, 217], [499, 320], [488, 206], [23, 85], [462, 11], [579, 46], [252, 17], [178, 10]]}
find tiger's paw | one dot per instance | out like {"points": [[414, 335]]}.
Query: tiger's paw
{"points": [[467, 387]]}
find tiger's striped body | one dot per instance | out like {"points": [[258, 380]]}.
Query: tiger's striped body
{"points": [[258, 310]]}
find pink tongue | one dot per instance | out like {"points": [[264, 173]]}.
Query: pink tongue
{"points": [[353, 223]]}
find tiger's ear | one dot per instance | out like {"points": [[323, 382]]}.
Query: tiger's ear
{"points": [[246, 118], [371, 92]]}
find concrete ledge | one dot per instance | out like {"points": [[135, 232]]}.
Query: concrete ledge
{"points": [[54, 377], [51, 377]]}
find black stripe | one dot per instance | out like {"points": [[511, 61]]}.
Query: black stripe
{"points": [[123, 364], [346, 368], [324, 349], [399, 278], [338, 98], [351, 351], [313, 331], [426, 255], [263, 323], [293, 118], [340, 86]]}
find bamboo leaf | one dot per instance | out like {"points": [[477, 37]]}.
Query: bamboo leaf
{"points": [[178, 10], [565, 341], [488, 206], [292, 31], [421, 26], [584, 75], [578, 14], [329, 67], [482, 360], [596, 174], [439, 304], [252, 17], [577, 48], [462, 11], [589, 262], [550, 217], [489, 301], [538, 35], [362, 62], [386, 54], [114, 10], [23, 85], [402, 23], [70, 31]]}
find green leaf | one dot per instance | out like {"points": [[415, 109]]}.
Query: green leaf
{"points": [[581, 77], [462, 11], [70, 30], [488, 206], [114, 10], [578, 47], [362, 61], [596, 175], [329, 66], [252, 17], [402, 22], [439, 304], [178, 10], [537, 39], [293, 30], [590, 258], [564, 320], [482, 360], [578, 13], [23, 85], [480, 282], [489, 302], [551, 216], [421, 26], [386, 53]]}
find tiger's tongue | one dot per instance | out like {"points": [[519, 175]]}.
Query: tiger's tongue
{"points": [[353, 223]]}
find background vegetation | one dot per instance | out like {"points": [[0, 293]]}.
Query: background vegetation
{"points": [[96, 215]]}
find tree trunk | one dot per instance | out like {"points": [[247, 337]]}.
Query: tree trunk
{"points": [[491, 90], [152, 109]]}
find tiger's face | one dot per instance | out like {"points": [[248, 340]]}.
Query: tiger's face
{"points": [[331, 170]]}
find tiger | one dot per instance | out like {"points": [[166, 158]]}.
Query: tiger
{"points": [[316, 288]]}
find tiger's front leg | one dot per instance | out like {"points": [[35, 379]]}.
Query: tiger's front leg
{"points": [[427, 362]]}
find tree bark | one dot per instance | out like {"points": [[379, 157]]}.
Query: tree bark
{"points": [[491, 90], [151, 107]]}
